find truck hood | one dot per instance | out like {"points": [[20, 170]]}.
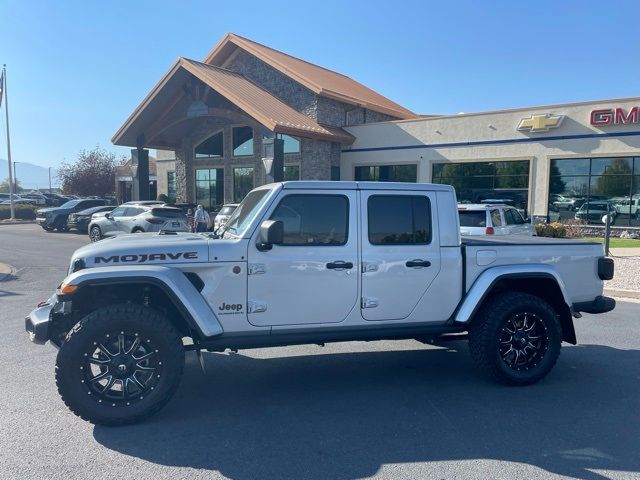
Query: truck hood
{"points": [[145, 249]]}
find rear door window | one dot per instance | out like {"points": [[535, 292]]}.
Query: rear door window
{"points": [[399, 220], [473, 218], [496, 219], [133, 211]]}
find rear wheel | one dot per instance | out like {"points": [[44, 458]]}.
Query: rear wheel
{"points": [[137, 230], [515, 338], [119, 365], [95, 233]]}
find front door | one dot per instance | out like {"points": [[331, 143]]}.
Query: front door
{"points": [[312, 277], [400, 252]]}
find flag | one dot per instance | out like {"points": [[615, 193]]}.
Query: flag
{"points": [[1, 87]]}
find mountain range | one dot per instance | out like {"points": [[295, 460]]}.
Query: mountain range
{"points": [[30, 175]]}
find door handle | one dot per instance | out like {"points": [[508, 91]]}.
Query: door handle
{"points": [[417, 263], [339, 265]]}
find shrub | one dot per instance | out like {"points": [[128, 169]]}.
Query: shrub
{"points": [[555, 230], [22, 212]]}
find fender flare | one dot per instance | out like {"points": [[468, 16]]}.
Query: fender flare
{"points": [[172, 281], [487, 280]]}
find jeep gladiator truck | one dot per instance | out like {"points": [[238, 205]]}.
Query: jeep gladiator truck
{"points": [[309, 263]]}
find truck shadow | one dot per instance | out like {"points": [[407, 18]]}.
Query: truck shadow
{"points": [[344, 415]]}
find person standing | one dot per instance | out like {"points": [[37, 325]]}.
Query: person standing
{"points": [[190, 220], [201, 219]]}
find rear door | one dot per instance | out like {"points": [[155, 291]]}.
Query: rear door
{"points": [[515, 222], [312, 277], [127, 221], [400, 252]]}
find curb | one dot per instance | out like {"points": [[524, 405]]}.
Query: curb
{"points": [[16, 222], [621, 293]]}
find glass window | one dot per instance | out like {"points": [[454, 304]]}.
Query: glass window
{"points": [[387, 173], [132, 211], [496, 220], [291, 172], [477, 182], [212, 147], [171, 186], [314, 219], [210, 187], [241, 218], [575, 196], [335, 174], [473, 218], [242, 182], [242, 141], [118, 212], [291, 144], [399, 220]]}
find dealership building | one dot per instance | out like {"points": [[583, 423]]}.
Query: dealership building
{"points": [[212, 123]]}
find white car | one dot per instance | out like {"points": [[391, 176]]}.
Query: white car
{"points": [[490, 219]]}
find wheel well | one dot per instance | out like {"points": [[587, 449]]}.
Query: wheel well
{"points": [[545, 288], [137, 229], [92, 297]]}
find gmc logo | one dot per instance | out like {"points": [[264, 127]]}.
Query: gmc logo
{"points": [[614, 116], [144, 257]]}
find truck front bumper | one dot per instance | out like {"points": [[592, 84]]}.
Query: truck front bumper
{"points": [[600, 304], [37, 322]]}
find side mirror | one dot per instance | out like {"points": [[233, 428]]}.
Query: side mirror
{"points": [[271, 233], [108, 215]]}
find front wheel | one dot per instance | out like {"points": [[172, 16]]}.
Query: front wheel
{"points": [[119, 364], [95, 233], [515, 339]]}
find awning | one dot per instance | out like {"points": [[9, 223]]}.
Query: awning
{"points": [[257, 103]]}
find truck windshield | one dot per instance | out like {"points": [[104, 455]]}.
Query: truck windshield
{"points": [[242, 217]]}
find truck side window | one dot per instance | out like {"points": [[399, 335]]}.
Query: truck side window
{"points": [[314, 219], [399, 220], [495, 218]]}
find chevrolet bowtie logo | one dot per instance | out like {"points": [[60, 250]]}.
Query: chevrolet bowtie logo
{"points": [[540, 123]]}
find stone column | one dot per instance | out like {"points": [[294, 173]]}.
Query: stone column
{"points": [[184, 173]]}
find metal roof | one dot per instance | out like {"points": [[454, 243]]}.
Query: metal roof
{"points": [[348, 185], [320, 80]]}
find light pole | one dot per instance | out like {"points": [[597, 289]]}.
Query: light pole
{"points": [[15, 179], [49, 179]]}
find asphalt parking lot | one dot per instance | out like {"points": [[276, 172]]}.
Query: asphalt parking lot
{"points": [[380, 410]]}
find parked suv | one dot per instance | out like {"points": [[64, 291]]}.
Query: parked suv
{"points": [[223, 215], [80, 221], [594, 212], [56, 218], [488, 219], [136, 218]]}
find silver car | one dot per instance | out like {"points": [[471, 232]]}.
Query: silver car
{"points": [[136, 218]]}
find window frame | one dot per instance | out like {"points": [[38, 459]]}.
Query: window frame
{"points": [[233, 149], [233, 180], [348, 219], [201, 156], [430, 215]]}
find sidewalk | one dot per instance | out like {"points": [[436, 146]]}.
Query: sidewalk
{"points": [[625, 252]]}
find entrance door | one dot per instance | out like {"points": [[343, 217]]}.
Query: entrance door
{"points": [[312, 277], [400, 252]]}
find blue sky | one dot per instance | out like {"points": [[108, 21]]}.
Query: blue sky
{"points": [[78, 68]]}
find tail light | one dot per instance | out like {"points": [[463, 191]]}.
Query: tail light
{"points": [[489, 231], [155, 221]]}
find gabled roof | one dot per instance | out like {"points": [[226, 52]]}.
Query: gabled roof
{"points": [[246, 95], [322, 81]]}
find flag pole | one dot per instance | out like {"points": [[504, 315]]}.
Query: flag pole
{"points": [[6, 111]]}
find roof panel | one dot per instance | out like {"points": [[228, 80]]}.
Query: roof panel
{"points": [[323, 81]]}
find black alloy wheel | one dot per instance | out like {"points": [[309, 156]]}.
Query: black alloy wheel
{"points": [[524, 340]]}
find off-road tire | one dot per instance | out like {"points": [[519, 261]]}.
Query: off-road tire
{"points": [[95, 234], [151, 326], [485, 336]]}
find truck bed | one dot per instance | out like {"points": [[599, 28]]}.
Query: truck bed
{"points": [[572, 259], [518, 240]]}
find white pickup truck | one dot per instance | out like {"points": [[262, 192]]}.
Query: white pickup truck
{"points": [[309, 263]]}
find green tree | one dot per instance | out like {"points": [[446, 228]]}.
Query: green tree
{"points": [[93, 173], [617, 179], [4, 186]]}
